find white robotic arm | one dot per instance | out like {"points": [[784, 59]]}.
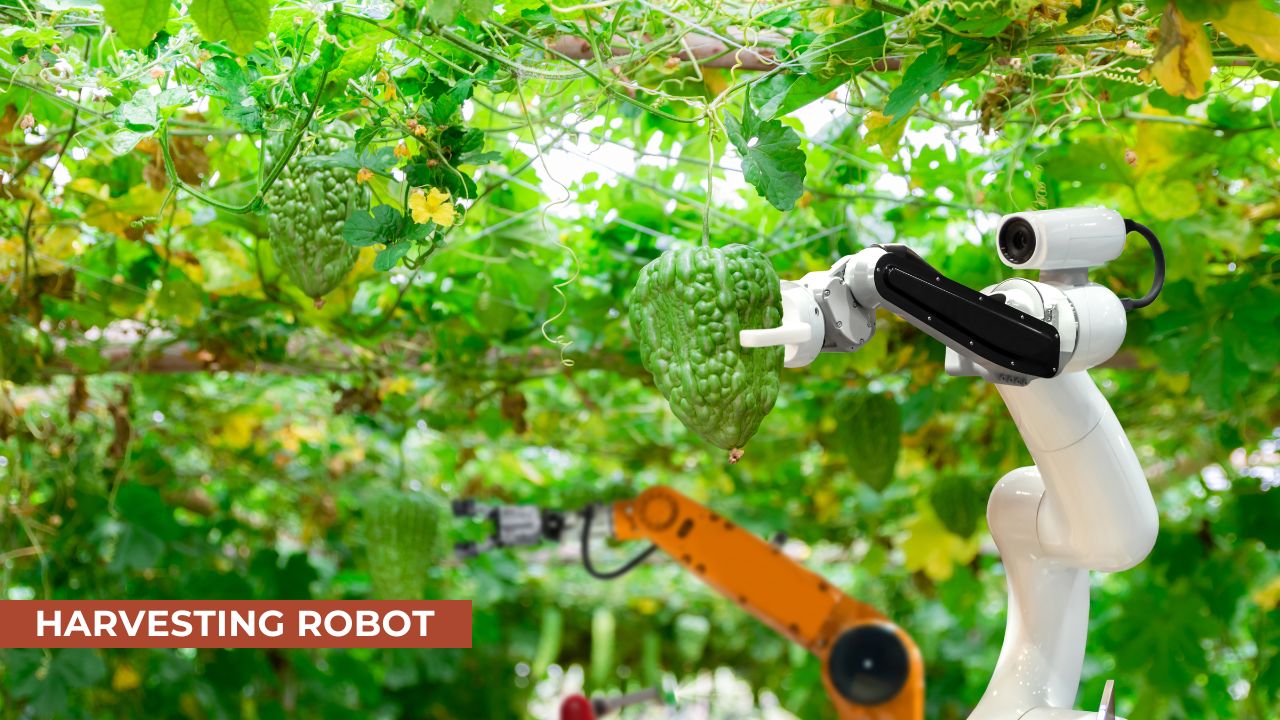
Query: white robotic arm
{"points": [[1085, 504]]}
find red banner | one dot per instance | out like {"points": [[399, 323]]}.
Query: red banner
{"points": [[235, 624]]}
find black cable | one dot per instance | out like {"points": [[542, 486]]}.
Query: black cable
{"points": [[586, 552], [1157, 282]]}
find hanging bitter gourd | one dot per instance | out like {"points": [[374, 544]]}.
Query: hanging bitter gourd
{"points": [[959, 501], [548, 641], [686, 311], [868, 434], [308, 206], [692, 632], [603, 631], [404, 536]]}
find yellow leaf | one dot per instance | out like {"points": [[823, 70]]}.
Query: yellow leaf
{"points": [[883, 131], [1183, 58], [1167, 199], [1157, 147], [131, 214], [931, 547], [396, 386], [49, 251], [1268, 597], [1247, 22], [237, 430], [433, 205], [292, 436], [715, 80], [826, 504], [125, 678], [823, 19]]}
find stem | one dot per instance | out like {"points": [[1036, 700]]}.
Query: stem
{"points": [[295, 137], [53, 170]]}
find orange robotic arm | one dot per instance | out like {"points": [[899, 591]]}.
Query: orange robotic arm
{"points": [[871, 668]]}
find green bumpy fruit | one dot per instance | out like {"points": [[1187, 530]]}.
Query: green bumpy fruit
{"points": [[869, 434], [686, 311], [308, 208], [404, 536], [604, 630], [959, 502]]}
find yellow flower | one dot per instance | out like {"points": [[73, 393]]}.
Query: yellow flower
{"points": [[420, 130], [125, 678], [398, 386], [364, 176], [432, 205], [403, 151]]}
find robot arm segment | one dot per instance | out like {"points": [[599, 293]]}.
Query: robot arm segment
{"points": [[962, 318], [834, 311], [871, 668], [1085, 504]]}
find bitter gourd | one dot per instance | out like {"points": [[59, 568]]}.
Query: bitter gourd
{"points": [[686, 311], [959, 502], [692, 632], [308, 207], [404, 536], [548, 641], [603, 631], [869, 435]]}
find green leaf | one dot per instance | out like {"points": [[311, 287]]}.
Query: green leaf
{"points": [[47, 689], [476, 10], [136, 549], [237, 23], [142, 506], [363, 229], [379, 160], [227, 81], [444, 11], [782, 94], [847, 47], [390, 256], [136, 21], [1166, 199], [925, 75], [772, 160], [123, 142], [443, 109], [779, 18], [139, 113]]}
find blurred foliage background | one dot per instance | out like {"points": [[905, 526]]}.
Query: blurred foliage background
{"points": [[177, 420]]}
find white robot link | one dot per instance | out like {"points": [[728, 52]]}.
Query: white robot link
{"points": [[1085, 505]]}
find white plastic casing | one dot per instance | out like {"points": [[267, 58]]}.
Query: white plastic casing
{"points": [[1070, 238], [801, 331], [1084, 506], [1102, 325]]}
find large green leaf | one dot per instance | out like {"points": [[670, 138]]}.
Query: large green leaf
{"points": [[846, 48], [136, 21], [238, 23], [772, 160], [925, 75]]}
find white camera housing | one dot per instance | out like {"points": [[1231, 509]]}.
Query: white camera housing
{"points": [[1061, 239]]}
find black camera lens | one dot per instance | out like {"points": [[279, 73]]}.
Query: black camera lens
{"points": [[1017, 241], [869, 664]]}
